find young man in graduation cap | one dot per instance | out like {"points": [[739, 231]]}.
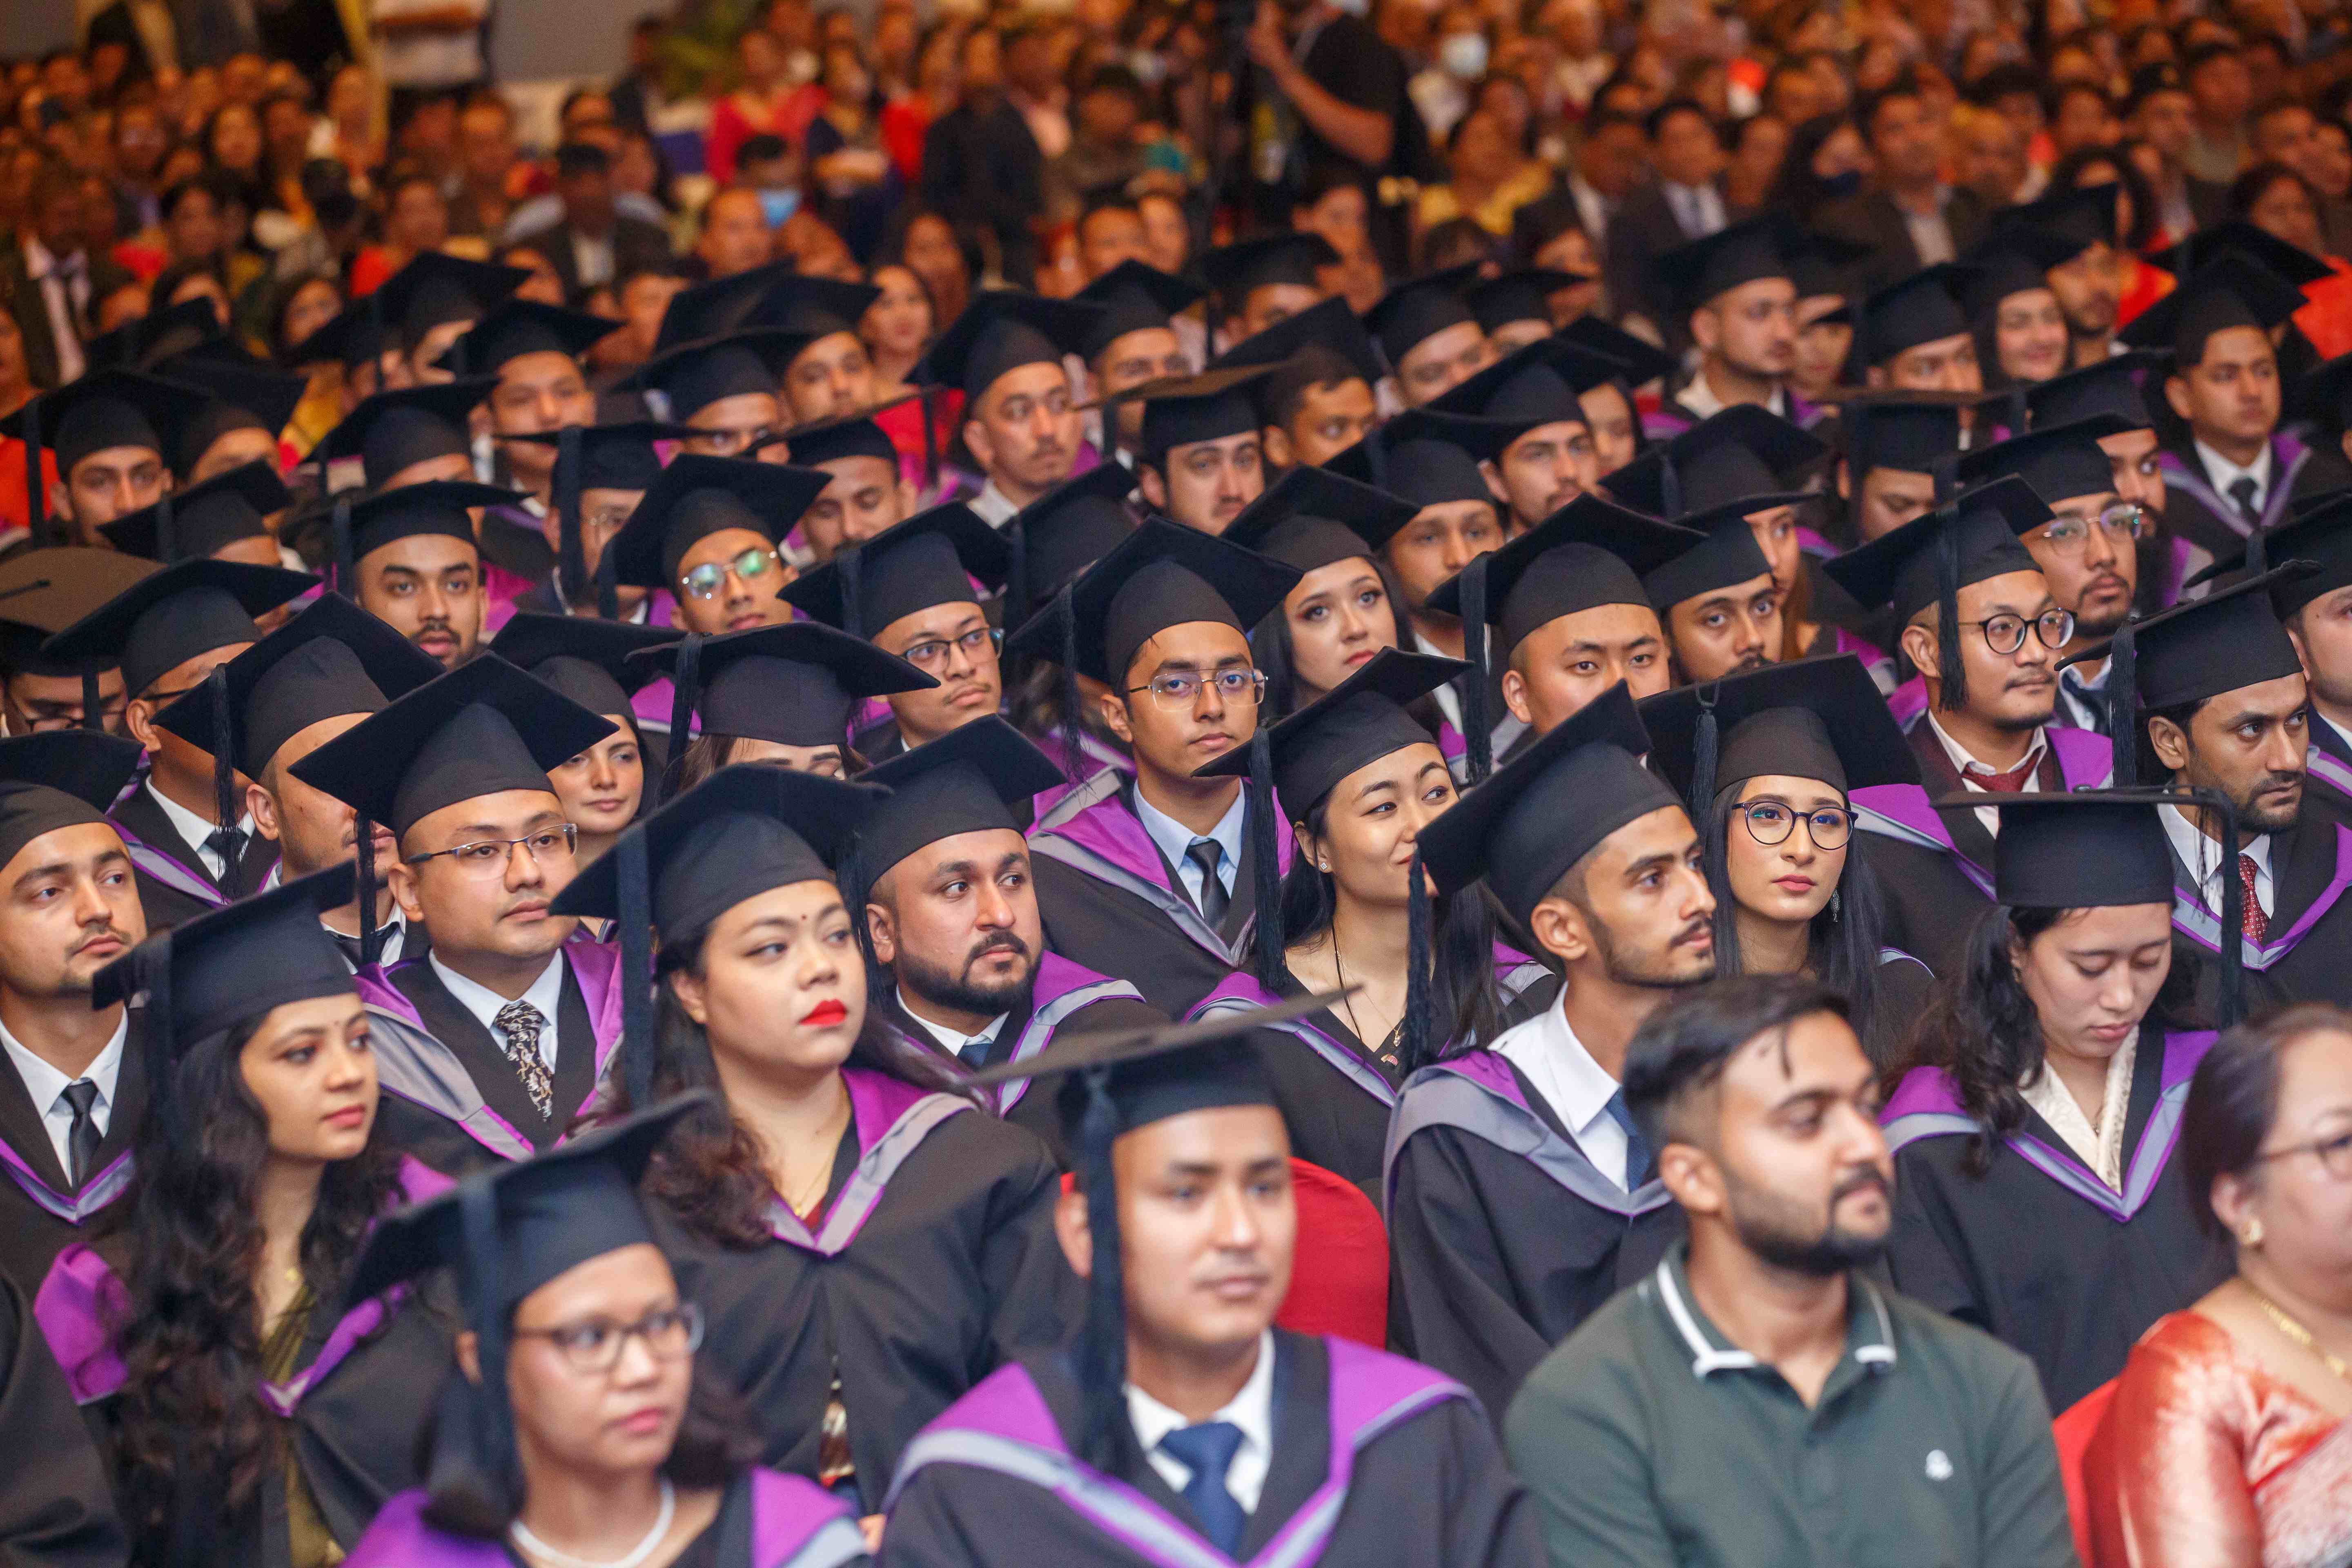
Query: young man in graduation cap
{"points": [[828, 374], [1513, 310], [111, 433], [434, 300], [493, 1041], [2317, 611], [950, 911], [1914, 335], [1021, 421], [909, 592], [1135, 340], [1886, 473], [288, 694], [224, 518], [249, 409], [1736, 289], [1982, 629], [1319, 399], [1552, 462], [2080, 225], [1200, 458], [71, 1092], [43, 591], [2231, 472], [1263, 281], [1150, 876], [403, 437], [1745, 452], [1519, 1195], [709, 532], [1428, 336], [2088, 552], [187, 826], [613, 467], [408, 556], [1182, 1427], [867, 492], [724, 388]]}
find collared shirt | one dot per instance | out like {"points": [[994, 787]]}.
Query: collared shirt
{"points": [[993, 506], [195, 830], [391, 938], [46, 1087], [2100, 1147], [546, 993], [2225, 473], [1697, 209], [591, 256], [1173, 838], [954, 1041], [2202, 856], [2342, 733], [1594, 208], [64, 291], [2083, 698], [1970, 770], [1252, 1410], [1576, 1086], [1699, 397], [1931, 232]]}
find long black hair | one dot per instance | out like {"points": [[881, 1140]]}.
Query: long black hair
{"points": [[193, 1435], [1843, 940], [1271, 647]]}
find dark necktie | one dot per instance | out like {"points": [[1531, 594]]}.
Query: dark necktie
{"points": [[229, 845], [83, 1137], [1639, 1164], [2242, 490], [518, 1024], [974, 1052], [2255, 924], [1208, 1450], [1213, 902]]}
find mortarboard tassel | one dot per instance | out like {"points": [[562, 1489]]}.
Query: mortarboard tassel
{"points": [[1705, 744], [493, 1416], [347, 565], [638, 1047], [1420, 1006], [1102, 1341], [1067, 693], [167, 533], [2123, 720], [1670, 489], [572, 550], [1952, 674], [845, 565], [151, 975], [686, 692], [2257, 553], [1376, 456], [224, 760], [2230, 1005], [35, 502], [1265, 865], [93, 701], [363, 884], [930, 444], [1016, 576], [1479, 743], [608, 587]]}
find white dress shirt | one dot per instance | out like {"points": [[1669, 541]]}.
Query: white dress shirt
{"points": [[546, 993], [1699, 397], [2100, 1147], [64, 291], [1931, 232], [2202, 856], [2225, 473], [195, 830], [954, 1041], [1252, 1410], [46, 1087], [1572, 1083], [591, 258], [1592, 207], [1970, 769], [2342, 733], [392, 938], [993, 506], [1173, 838], [1697, 209]]}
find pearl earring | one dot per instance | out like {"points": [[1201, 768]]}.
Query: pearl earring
{"points": [[2254, 1233]]}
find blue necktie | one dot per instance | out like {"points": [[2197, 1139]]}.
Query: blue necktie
{"points": [[1639, 1166], [1208, 1450]]}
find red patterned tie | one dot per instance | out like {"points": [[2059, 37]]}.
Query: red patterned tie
{"points": [[2254, 922], [2009, 783]]}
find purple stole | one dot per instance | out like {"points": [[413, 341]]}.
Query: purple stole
{"points": [[74, 1208], [417, 1067], [892, 1119], [1090, 758], [1902, 812], [168, 868], [1004, 1426], [1873, 658], [1061, 989], [2201, 924], [1477, 1092], [1926, 1105], [2287, 457], [795, 1523]]}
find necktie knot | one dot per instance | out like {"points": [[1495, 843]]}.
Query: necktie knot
{"points": [[227, 843], [2243, 490], [1207, 854], [82, 1138], [519, 1025], [1208, 1450]]}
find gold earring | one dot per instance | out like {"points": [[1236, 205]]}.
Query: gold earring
{"points": [[2254, 1233]]}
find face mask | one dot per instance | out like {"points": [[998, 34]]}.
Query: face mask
{"points": [[775, 206], [1842, 184], [1463, 56]]}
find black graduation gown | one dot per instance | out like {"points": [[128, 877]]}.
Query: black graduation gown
{"points": [[40, 1213], [1497, 1255], [2329, 780], [1110, 901], [1428, 1487], [935, 1260], [2196, 511], [57, 1501], [174, 885], [2038, 1251], [2308, 953]]}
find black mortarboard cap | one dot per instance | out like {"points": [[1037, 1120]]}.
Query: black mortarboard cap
{"points": [[1744, 453], [1538, 382], [1902, 430], [203, 518], [483, 728], [2230, 292], [696, 496], [43, 591], [2320, 533], [811, 307], [1588, 553], [712, 309], [522, 327], [1644, 360], [358, 335], [1180, 411], [392, 430], [694, 375], [1135, 297], [436, 289], [2008, 261], [1726, 556], [1521, 296], [1429, 458], [244, 397], [1064, 531], [184, 610], [107, 408], [2074, 218], [138, 343], [929, 559], [1922, 308], [1233, 270], [1000, 332], [1160, 575], [1326, 324], [2327, 393], [831, 440], [2228, 639], [2060, 461], [583, 657], [1818, 718], [970, 780], [1354, 724], [436, 506], [1311, 517], [2081, 850], [2110, 386], [1696, 271], [2242, 241], [1985, 528], [1418, 309], [1821, 264], [63, 778], [796, 684]]}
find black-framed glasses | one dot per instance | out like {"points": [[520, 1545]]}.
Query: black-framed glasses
{"points": [[2006, 634], [705, 581], [2334, 1155], [1182, 688], [1771, 821], [932, 656], [2124, 522], [592, 1347], [488, 857]]}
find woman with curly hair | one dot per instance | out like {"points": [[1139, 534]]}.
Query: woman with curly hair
{"points": [[864, 1240], [251, 1413], [2035, 1193]]}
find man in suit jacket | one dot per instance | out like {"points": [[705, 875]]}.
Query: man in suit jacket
{"points": [[593, 244], [984, 169], [1908, 215], [1686, 203], [50, 285]]}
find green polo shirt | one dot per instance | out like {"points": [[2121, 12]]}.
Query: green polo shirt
{"points": [[1648, 1438]]}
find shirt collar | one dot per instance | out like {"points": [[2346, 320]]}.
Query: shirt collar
{"points": [[1252, 1409], [44, 1083], [1964, 764], [2202, 855], [2226, 473], [1869, 1331], [2342, 733], [1584, 1087], [192, 828], [546, 993], [1700, 398], [1173, 837], [952, 1040]]}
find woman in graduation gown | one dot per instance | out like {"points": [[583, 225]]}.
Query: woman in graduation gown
{"points": [[1782, 750], [864, 1242], [250, 1414], [1358, 777], [2036, 1194], [582, 1429], [587, 660]]}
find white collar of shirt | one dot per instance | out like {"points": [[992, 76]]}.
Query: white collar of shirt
{"points": [[45, 1086], [994, 507], [1694, 206], [1968, 768], [392, 938], [194, 830], [1173, 838], [2202, 856], [546, 993], [1700, 399], [952, 1041], [2225, 473], [1449, 701], [1252, 1410], [2101, 1147], [1576, 1086]]}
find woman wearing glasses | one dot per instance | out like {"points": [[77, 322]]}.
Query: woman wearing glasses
{"points": [[255, 1410], [2229, 1438], [2036, 1194], [1777, 823]]}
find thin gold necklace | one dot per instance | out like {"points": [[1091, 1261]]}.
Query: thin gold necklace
{"points": [[2297, 1332]]}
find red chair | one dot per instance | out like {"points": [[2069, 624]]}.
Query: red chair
{"points": [[2072, 1432], [1340, 1273]]}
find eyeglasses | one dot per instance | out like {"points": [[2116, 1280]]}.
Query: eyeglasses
{"points": [[2006, 634], [1771, 821], [2334, 1155], [705, 581], [933, 655], [488, 856], [592, 1348], [2123, 523], [1182, 689]]}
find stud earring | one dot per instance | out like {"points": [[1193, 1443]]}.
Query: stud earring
{"points": [[2254, 1233]]}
